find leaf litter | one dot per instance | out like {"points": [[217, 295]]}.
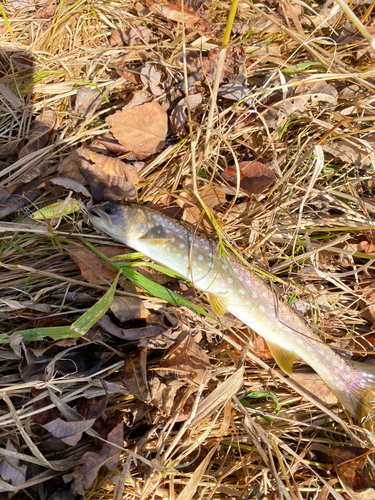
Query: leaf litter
{"points": [[101, 369]]}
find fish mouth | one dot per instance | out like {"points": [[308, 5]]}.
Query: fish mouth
{"points": [[98, 215]]}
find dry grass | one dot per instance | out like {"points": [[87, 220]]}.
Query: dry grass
{"points": [[305, 231]]}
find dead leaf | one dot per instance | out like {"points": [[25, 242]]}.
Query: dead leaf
{"points": [[130, 334], [38, 139], [188, 356], [11, 470], [117, 38], [108, 456], [212, 197], [163, 395], [93, 268], [151, 76], [142, 129], [48, 10], [349, 153], [87, 100], [128, 308], [109, 178], [136, 375], [70, 185], [179, 114], [138, 33], [255, 177], [313, 384], [172, 11], [349, 462], [69, 432], [234, 92], [11, 148], [308, 94], [10, 309]]}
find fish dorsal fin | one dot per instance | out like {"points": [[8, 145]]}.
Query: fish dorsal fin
{"points": [[284, 358], [155, 235], [218, 304]]}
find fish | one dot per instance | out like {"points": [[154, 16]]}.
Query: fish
{"points": [[231, 286]]}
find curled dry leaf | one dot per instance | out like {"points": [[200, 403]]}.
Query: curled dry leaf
{"points": [[255, 177], [38, 139], [179, 114], [109, 178], [142, 129], [151, 76], [69, 432], [109, 456], [135, 375], [234, 92], [11, 470], [48, 10], [130, 334], [349, 462]]}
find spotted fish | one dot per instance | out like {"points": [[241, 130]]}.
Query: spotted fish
{"points": [[231, 286]]}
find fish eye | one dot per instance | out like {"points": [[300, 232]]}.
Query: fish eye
{"points": [[109, 208]]}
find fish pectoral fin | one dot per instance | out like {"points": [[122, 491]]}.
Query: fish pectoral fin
{"points": [[155, 236], [284, 358], [218, 304]]}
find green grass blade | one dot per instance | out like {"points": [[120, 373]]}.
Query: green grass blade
{"points": [[81, 326]]}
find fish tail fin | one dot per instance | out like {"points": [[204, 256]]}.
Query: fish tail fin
{"points": [[359, 394]]}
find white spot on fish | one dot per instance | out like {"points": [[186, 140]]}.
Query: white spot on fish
{"points": [[242, 291], [196, 245], [173, 240], [158, 231], [200, 257], [167, 231], [262, 308], [195, 263], [230, 281], [206, 248], [254, 295], [182, 245], [178, 255]]}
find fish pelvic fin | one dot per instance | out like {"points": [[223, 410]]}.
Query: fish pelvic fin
{"points": [[360, 393], [283, 358], [155, 236], [218, 304]]}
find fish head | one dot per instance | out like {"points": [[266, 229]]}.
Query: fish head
{"points": [[121, 221]]}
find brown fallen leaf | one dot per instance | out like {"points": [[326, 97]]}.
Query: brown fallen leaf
{"points": [[93, 268], [135, 375], [23, 309], [87, 100], [349, 153], [44, 125], [307, 94], [69, 432], [255, 177], [142, 129], [173, 12], [11, 470], [151, 76], [48, 10], [11, 148], [179, 114], [212, 197], [313, 384], [109, 178], [70, 185], [128, 308], [188, 357], [108, 456], [349, 462]]}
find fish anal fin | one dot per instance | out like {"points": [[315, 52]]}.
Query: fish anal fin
{"points": [[155, 235], [218, 304], [283, 358]]}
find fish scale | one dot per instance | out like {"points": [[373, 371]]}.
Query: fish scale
{"points": [[231, 286]]}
